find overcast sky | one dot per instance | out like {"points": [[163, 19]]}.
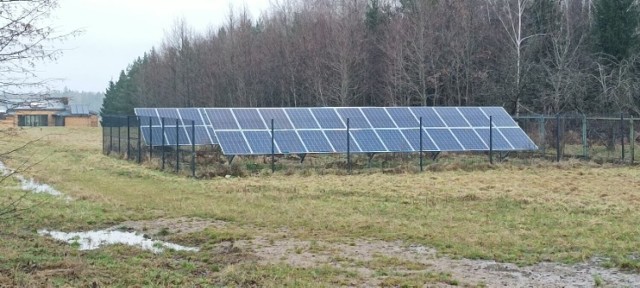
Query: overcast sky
{"points": [[118, 31]]}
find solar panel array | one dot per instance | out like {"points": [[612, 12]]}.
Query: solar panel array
{"points": [[247, 131]]}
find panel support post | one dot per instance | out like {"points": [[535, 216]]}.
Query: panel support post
{"points": [[421, 148], [302, 157], [193, 148], [163, 153], [622, 134], [491, 140], [632, 140], [177, 146], [139, 140], [128, 137], [585, 145], [151, 139], [370, 157], [348, 148], [558, 156], [273, 148]]}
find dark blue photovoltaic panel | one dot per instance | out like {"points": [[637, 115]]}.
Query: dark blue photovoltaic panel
{"points": [[260, 142], [212, 133], [475, 116], [378, 117], [170, 133], [190, 114], [147, 114], [222, 119], [413, 136], [499, 143], [451, 117], [323, 130], [280, 120], [202, 137], [368, 141], [168, 113], [429, 117], [394, 140], [444, 140], [289, 142], [469, 139], [233, 143], [249, 119], [403, 117], [500, 117], [327, 118], [518, 139], [302, 118], [156, 133], [315, 141], [356, 118], [338, 139]]}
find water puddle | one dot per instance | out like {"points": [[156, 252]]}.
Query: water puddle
{"points": [[35, 187], [95, 239], [30, 184]]}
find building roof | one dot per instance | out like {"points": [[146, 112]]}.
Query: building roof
{"points": [[77, 109]]}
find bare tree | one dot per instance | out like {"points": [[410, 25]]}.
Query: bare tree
{"points": [[26, 40]]}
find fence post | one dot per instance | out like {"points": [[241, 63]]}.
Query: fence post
{"points": [[632, 140], [193, 148], [585, 145], [110, 138], [139, 140], [558, 156], [622, 133], [348, 148], [542, 130], [421, 148], [491, 140], [273, 149], [119, 135], [162, 130], [177, 147], [104, 136], [128, 137], [151, 139]]}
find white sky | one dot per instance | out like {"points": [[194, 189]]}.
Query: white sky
{"points": [[118, 31]]}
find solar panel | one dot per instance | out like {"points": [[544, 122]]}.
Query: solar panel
{"points": [[327, 118], [302, 118], [247, 131], [413, 136]]}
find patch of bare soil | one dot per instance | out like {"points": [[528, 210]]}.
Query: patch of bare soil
{"points": [[360, 256], [174, 226]]}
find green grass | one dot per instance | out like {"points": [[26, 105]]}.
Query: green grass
{"points": [[566, 212]]}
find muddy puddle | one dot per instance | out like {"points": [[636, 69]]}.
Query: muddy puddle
{"points": [[91, 240], [29, 184]]}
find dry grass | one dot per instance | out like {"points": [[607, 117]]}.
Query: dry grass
{"points": [[542, 212]]}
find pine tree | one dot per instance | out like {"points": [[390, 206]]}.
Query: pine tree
{"points": [[616, 23]]}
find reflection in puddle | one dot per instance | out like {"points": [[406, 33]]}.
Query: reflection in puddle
{"points": [[94, 239]]}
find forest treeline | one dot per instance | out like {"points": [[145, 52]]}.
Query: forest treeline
{"points": [[530, 56]]}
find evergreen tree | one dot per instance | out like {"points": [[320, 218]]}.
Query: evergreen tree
{"points": [[616, 25], [119, 97]]}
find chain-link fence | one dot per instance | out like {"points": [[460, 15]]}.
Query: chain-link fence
{"points": [[599, 139], [560, 137], [161, 145]]}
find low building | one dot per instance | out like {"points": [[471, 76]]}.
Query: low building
{"points": [[45, 112]]}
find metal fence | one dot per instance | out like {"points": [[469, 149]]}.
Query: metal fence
{"points": [[123, 136], [559, 137], [598, 139]]}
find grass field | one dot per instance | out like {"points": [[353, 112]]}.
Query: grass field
{"points": [[568, 213]]}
